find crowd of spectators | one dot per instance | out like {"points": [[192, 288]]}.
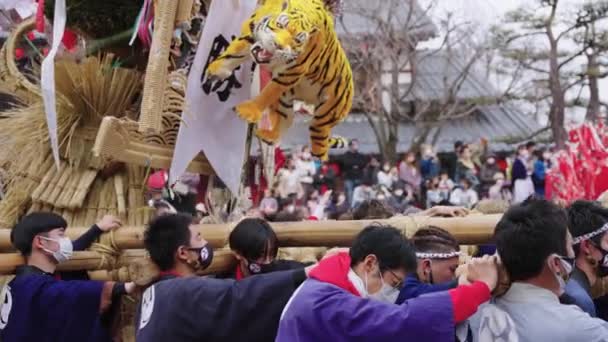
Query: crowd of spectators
{"points": [[304, 186]]}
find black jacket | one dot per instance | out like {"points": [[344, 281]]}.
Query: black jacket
{"points": [[353, 164]]}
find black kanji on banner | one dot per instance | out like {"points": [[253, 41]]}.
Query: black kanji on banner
{"points": [[222, 88]]}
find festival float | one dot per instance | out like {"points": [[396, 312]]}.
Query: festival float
{"points": [[122, 89]]}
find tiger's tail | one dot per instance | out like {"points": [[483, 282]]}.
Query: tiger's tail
{"points": [[338, 142]]}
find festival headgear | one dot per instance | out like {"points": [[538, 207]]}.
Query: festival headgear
{"points": [[441, 256], [431, 255], [157, 180], [590, 235], [603, 264]]}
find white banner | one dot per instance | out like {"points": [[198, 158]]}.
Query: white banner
{"points": [[209, 122], [47, 82]]}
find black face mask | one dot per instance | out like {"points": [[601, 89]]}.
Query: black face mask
{"points": [[205, 257], [602, 269], [257, 268]]}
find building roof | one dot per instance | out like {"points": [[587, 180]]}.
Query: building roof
{"points": [[497, 123], [366, 18], [439, 72]]}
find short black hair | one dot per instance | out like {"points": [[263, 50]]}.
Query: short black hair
{"points": [[392, 249], [458, 144], [24, 231], [585, 217], [527, 234], [372, 210], [431, 239], [254, 238], [164, 236]]}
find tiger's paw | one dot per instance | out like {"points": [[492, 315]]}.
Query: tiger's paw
{"points": [[249, 111], [217, 69], [269, 136]]}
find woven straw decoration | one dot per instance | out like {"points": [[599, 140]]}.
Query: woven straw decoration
{"points": [[82, 189], [158, 65], [10, 75]]}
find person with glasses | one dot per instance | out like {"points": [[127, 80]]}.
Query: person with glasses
{"points": [[588, 224], [535, 248], [350, 296]]}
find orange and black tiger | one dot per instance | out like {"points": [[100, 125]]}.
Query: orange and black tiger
{"points": [[296, 41]]}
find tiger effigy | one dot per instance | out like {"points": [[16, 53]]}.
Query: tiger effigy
{"points": [[295, 40]]}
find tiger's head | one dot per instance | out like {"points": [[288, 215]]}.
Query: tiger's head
{"points": [[280, 38]]}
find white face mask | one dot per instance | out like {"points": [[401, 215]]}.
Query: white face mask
{"points": [[562, 278], [64, 253], [387, 293]]}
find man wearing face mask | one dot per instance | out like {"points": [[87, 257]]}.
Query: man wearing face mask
{"points": [[438, 254], [350, 296], [183, 307], [588, 224], [535, 247], [38, 306], [255, 246]]}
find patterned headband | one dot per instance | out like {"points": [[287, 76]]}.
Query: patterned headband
{"points": [[438, 255], [588, 236]]}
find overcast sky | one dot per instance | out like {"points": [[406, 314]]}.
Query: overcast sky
{"points": [[488, 12]]}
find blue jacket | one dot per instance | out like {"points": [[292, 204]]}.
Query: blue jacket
{"points": [[413, 288], [578, 290], [429, 168], [38, 307]]}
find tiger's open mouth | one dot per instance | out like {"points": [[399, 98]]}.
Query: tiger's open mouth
{"points": [[261, 56]]}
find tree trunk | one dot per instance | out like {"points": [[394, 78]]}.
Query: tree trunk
{"points": [[390, 151], [420, 137], [558, 103], [593, 107], [557, 123]]}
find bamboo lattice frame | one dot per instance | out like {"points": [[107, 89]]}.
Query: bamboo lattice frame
{"points": [[150, 141]]}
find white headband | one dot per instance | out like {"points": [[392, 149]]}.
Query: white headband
{"points": [[588, 236], [438, 255]]}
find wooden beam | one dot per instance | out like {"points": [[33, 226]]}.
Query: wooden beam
{"points": [[473, 229], [136, 260], [120, 140]]}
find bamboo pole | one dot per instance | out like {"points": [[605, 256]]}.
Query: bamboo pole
{"points": [[473, 229], [223, 260], [158, 63]]}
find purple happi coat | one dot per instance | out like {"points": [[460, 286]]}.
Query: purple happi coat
{"points": [[330, 311]]}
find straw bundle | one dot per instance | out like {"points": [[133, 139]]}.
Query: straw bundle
{"points": [[87, 92], [139, 213], [22, 179]]}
